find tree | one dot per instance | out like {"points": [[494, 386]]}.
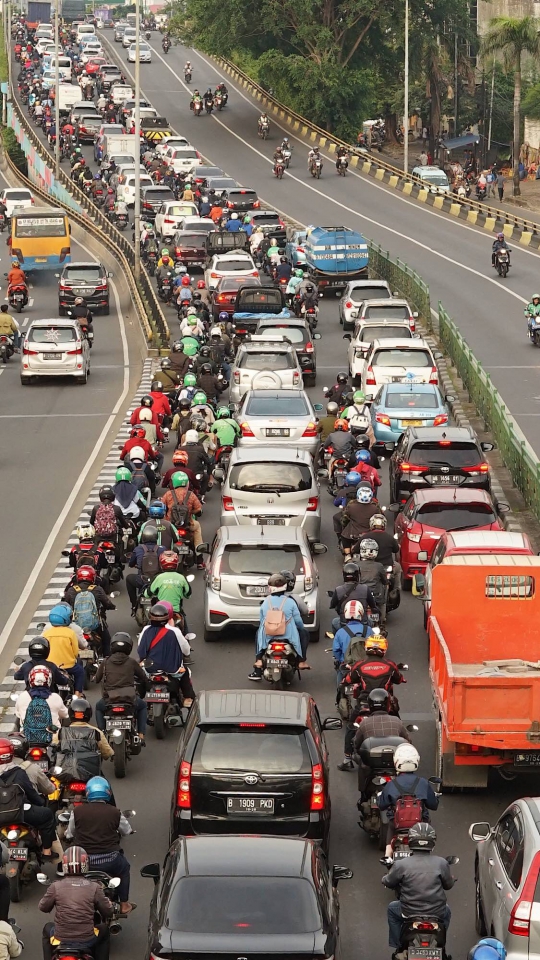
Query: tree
{"points": [[513, 37]]}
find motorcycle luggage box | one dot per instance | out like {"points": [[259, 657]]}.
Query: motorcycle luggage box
{"points": [[378, 752]]}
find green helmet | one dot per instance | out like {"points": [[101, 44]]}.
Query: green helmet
{"points": [[247, 218], [180, 479], [222, 412], [191, 349], [190, 380], [192, 317], [298, 272], [123, 474], [359, 396], [165, 252], [199, 398]]}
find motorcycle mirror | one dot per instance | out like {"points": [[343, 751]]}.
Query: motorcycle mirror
{"points": [[114, 882], [18, 660], [63, 817], [190, 637], [65, 553], [42, 878], [325, 389], [129, 813], [403, 666], [174, 722], [27, 806], [14, 697], [452, 860], [412, 728], [115, 593], [437, 780], [57, 771], [190, 578]]}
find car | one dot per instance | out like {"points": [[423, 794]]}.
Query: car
{"points": [[145, 53], [271, 486], [91, 50], [434, 179], [85, 109], [506, 871], [398, 361], [265, 364], [119, 93], [94, 65], [16, 198], [182, 159], [218, 184], [109, 73], [389, 310], [221, 897], [44, 43], [126, 191], [284, 416], [88, 279], [298, 332], [400, 405], [201, 171], [89, 126], [429, 513], [54, 348], [271, 223], [172, 214], [255, 304], [152, 198], [241, 200], [147, 113], [187, 247], [363, 337], [239, 263], [127, 108], [354, 295], [106, 128], [241, 561], [294, 246], [224, 294], [196, 224], [129, 36], [119, 31], [277, 735], [437, 456], [163, 145]]}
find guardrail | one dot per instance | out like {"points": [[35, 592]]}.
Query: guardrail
{"points": [[400, 276]]}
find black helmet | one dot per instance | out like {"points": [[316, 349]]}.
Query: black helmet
{"points": [[149, 533], [185, 404], [20, 745], [166, 363], [106, 495], [422, 837], [362, 442], [289, 577], [147, 401], [378, 699], [351, 573], [159, 614], [277, 582], [196, 298], [157, 386], [206, 368], [39, 648], [121, 643], [204, 351], [178, 346], [341, 378], [79, 710]]}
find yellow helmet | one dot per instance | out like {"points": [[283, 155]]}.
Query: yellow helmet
{"points": [[377, 644]]}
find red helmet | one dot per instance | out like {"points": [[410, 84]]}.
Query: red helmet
{"points": [[40, 676], [201, 284], [138, 433], [168, 560], [86, 575], [186, 281], [7, 750], [180, 456]]}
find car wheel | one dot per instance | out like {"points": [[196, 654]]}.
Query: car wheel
{"points": [[25, 381], [310, 380], [479, 921], [61, 311], [406, 585], [82, 379], [106, 310]]}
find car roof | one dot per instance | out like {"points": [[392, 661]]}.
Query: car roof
{"points": [[449, 433], [392, 343], [234, 255], [262, 535], [56, 322], [452, 495], [266, 345], [284, 322], [241, 190], [388, 302], [244, 856], [352, 284], [264, 453], [414, 387], [264, 213], [83, 263], [233, 706], [280, 394]]}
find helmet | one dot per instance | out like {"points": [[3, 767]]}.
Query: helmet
{"points": [[159, 613], [20, 744], [359, 396], [106, 494], [332, 408], [80, 709], [351, 479], [362, 456], [166, 364], [535, 296], [500, 236], [206, 368], [180, 456], [121, 643], [61, 615], [488, 949], [40, 677], [6, 750], [376, 644], [157, 509], [138, 433], [342, 378], [341, 424], [205, 352], [190, 380], [377, 522], [191, 437], [137, 453], [378, 699], [215, 332], [123, 473], [98, 788], [273, 241], [364, 494], [185, 404], [298, 272], [351, 573], [222, 412], [86, 575], [180, 479], [165, 258], [157, 386], [289, 577], [369, 549], [147, 401], [223, 316], [422, 837], [201, 285], [185, 282], [85, 531], [353, 610], [149, 533], [75, 861], [277, 583], [191, 316], [178, 346], [406, 758], [168, 560], [39, 648]]}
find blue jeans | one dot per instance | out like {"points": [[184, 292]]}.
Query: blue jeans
{"points": [[98, 946], [119, 867], [77, 674], [395, 921]]}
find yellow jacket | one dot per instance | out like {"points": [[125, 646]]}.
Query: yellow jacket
{"points": [[64, 646]]}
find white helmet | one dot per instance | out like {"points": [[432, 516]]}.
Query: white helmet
{"points": [[353, 610], [234, 216], [215, 332], [145, 416], [85, 531], [406, 758], [192, 436], [137, 453]]}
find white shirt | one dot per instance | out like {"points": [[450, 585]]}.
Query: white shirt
{"points": [[58, 709]]}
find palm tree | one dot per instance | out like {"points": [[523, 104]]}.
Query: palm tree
{"points": [[513, 37]]}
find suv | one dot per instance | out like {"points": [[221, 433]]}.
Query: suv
{"points": [[398, 361], [152, 199], [265, 362], [251, 757], [55, 348], [431, 456], [354, 295], [240, 199], [188, 248], [272, 225], [84, 279], [298, 332]]}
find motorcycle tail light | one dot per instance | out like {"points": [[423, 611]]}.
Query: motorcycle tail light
{"points": [[277, 647], [118, 709], [36, 753], [77, 787], [236, 376]]}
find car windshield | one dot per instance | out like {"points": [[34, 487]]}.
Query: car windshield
{"points": [[435, 176], [294, 334], [52, 335], [264, 476], [387, 313], [456, 516], [401, 357], [262, 360], [241, 905], [82, 274], [275, 406], [262, 560], [234, 265], [376, 332], [369, 293], [263, 750], [402, 399], [448, 453]]}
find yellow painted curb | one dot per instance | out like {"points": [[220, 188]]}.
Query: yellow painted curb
{"points": [[526, 238], [332, 147], [304, 131], [393, 181], [354, 161], [258, 95], [508, 229], [472, 216], [322, 141], [455, 209], [379, 174], [281, 113], [407, 188], [489, 224], [423, 195], [296, 124], [289, 119], [313, 135], [438, 202], [366, 166]]}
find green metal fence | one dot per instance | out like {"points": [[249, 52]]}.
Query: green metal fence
{"points": [[516, 452], [402, 278]]}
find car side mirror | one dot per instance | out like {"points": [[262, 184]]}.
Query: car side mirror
{"points": [[110, 274], [450, 398], [202, 548], [322, 473], [190, 578], [486, 447], [317, 336], [437, 354], [332, 723], [415, 314], [347, 336], [419, 585], [480, 831], [319, 548], [503, 507], [174, 721], [318, 407], [422, 556], [394, 507], [151, 871], [219, 474], [341, 873]]}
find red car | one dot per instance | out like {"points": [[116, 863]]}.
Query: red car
{"points": [[93, 65], [224, 296], [430, 513]]}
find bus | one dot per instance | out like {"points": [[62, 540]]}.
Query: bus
{"points": [[40, 238]]}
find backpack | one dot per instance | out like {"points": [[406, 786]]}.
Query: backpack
{"points": [[12, 798], [275, 621], [355, 650], [78, 754], [139, 478], [85, 611], [408, 809], [150, 561], [179, 512], [105, 520], [37, 721], [86, 558]]}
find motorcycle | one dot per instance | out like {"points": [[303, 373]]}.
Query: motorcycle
{"points": [[218, 101], [6, 347], [3, 222], [166, 45], [88, 333], [377, 753], [164, 699], [393, 597], [151, 262], [121, 732], [209, 105], [502, 262], [424, 935], [340, 469], [342, 163], [165, 288], [187, 76], [400, 840], [279, 170], [263, 130], [533, 330], [148, 35], [24, 848], [280, 664], [18, 298], [315, 168], [197, 107], [287, 154], [121, 221]]}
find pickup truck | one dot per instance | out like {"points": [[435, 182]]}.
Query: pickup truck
{"points": [[335, 255]]}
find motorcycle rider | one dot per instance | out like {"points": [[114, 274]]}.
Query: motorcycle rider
{"points": [[351, 589], [225, 428], [100, 826], [9, 326], [38, 651], [354, 624], [499, 244], [388, 548], [356, 516], [488, 948], [313, 156], [117, 675], [406, 783], [170, 585], [162, 646], [180, 494], [180, 362], [531, 311], [37, 727], [372, 573], [198, 461], [379, 724], [340, 443], [39, 815], [294, 282], [167, 534], [16, 279], [278, 158], [164, 269], [422, 881], [221, 350], [284, 270], [76, 901], [64, 644], [86, 582], [341, 385], [365, 471], [187, 68], [294, 624], [128, 494], [148, 544], [326, 424], [213, 386], [37, 777], [82, 733], [263, 122], [342, 153]]}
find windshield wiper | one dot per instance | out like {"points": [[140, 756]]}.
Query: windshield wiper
{"points": [[269, 488]]}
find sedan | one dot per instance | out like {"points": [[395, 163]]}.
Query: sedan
{"points": [[89, 126], [271, 224], [229, 264], [202, 171], [224, 294], [94, 66], [145, 53], [284, 416], [171, 216], [90, 51], [399, 405], [119, 31], [219, 184]]}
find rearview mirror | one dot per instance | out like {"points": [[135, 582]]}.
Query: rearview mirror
{"points": [[174, 721], [486, 447], [219, 474], [151, 871], [403, 666], [347, 336], [452, 860], [341, 873], [202, 548], [128, 813], [42, 878], [322, 473], [480, 831], [18, 660], [190, 578], [450, 398], [394, 507], [412, 728], [503, 507], [332, 723], [317, 336], [65, 553], [419, 585], [319, 548], [114, 882]]}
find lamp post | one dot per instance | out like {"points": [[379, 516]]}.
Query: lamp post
{"points": [[137, 142], [56, 93], [406, 94]]}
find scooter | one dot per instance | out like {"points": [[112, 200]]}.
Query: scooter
{"points": [[280, 664], [502, 262], [341, 164]]}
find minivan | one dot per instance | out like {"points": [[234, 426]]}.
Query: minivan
{"points": [[64, 67], [84, 30], [434, 179]]}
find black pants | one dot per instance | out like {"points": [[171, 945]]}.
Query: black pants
{"points": [[42, 818], [99, 946], [4, 897], [134, 585]]}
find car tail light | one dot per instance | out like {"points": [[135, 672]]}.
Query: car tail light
{"points": [[309, 348], [476, 470], [246, 430], [442, 418], [227, 503], [296, 378], [29, 353], [412, 468], [214, 275], [317, 787], [311, 430], [254, 273], [221, 298], [300, 250], [256, 205], [253, 724], [520, 917], [74, 353], [415, 537], [183, 794], [382, 418], [348, 305], [412, 324], [168, 220], [313, 504], [77, 787], [230, 204], [236, 376], [434, 378], [370, 379]]}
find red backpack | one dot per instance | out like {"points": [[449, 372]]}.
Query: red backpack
{"points": [[408, 809]]}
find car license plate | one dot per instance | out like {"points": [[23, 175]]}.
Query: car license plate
{"points": [[18, 853], [183, 549], [278, 432], [443, 479], [527, 759], [256, 591], [272, 662], [158, 696], [124, 724], [52, 356], [424, 953], [252, 805], [411, 423], [82, 290], [271, 521], [41, 259]]}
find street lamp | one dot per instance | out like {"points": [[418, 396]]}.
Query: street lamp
{"points": [[406, 93], [137, 142], [57, 92]]}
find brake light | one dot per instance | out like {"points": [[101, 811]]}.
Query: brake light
{"points": [[520, 917], [252, 725], [311, 430], [256, 205], [30, 353], [479, 468], [36, 753], [348, 305], [221, 298], [277, 647], [74, 353], [370, 379], [246, 430], [412, 324], [296, 378], [412, 468], [442, 418], [309, 348], [227, 503], [317, 788], [77, 787], [382, 418], [313, 503], [183, 794], [424, 925], [300, 250], [236, 376], [169, 220], [118, 710], [214, 275], [434, 378]]}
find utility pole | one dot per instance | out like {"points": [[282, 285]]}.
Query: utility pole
{"points": [[57, 92], [406, 92], [456, 134], [491, 108], [137, 142]]}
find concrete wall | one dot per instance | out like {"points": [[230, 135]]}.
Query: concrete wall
{"points": [[532, 133], [505, 8]]}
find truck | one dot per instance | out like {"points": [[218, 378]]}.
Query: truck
{"points": [[120, 143], [68, 95], [39, 11], [73, 10], [335, 255], [484, 665]]}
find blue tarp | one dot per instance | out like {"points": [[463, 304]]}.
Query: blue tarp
{"points": [[458, 143]]}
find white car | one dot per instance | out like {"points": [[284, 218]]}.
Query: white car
{"points": [[145, 113], [182, 159], [90, 51], [229, 265], [43, 44], [167, 142], [265, 362], [126, 191], [354, 295], [145, 53], [171, 216], [55, 348], [398, 361], [130, 35], [16, 198]]}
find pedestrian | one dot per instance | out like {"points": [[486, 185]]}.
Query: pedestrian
{"points": [[425, 135], [422, 159], [500, 186], [490, 182]]}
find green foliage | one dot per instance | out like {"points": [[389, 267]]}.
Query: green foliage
{"points": [[3, 57], [531, 102], [12, 148]]}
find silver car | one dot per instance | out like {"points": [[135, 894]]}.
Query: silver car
{"points": [[241, 561], [507, 873], [55, 348], [286, 417], [265, 362], [271, 486], [354, 295]]}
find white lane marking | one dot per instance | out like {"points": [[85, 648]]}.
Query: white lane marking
{"points": [[46, 416], [30, 301]]}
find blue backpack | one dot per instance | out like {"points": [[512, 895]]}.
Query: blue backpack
{"points": [[38, 721], [85, 611]]}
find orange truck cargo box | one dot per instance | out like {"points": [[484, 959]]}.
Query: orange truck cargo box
{"points": [[484, 642]]}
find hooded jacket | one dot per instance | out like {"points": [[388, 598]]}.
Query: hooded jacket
{"points": [[117, 675]]}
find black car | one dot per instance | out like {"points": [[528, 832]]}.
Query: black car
{"points": [[435, 457], [256, 304], [108, 74], [239, 897], [151, 200], [253, 762], [84, 279], [240, 199], [299, 333]]}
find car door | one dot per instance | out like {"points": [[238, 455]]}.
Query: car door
{"points": [[502, 872], [395, 462]]}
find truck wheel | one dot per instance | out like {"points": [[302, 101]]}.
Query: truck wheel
{"points": [[479, 921]]}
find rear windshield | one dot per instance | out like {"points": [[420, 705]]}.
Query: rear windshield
{"points": [[276, 407], [202, 227], [18, 195], [270, 476], [27, 227], [236, 265], [294, 334], [373, 293], [182, 154], [386, 313], [112, 70], [243, 905], [446, 453], [189, 239], [370, 333], [242, 195], [456, 516], [259, 300], [263, 750], [83, 274], [157, 194], [402, 358], [408, 398], [51, 334], [267, 218], [262, 560], [220, 183], [259, 360]]}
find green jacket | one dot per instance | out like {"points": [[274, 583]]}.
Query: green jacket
{"points": [[226, 430]]}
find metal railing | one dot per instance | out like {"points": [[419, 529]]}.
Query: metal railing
{"points": [[402, 278]]}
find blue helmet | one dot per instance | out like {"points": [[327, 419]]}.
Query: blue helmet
{"points": [[223, 317], [98, 788], [364, 494], [61, 615], [352, 479], [488, 949], [362, 456], [157, 509]]}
